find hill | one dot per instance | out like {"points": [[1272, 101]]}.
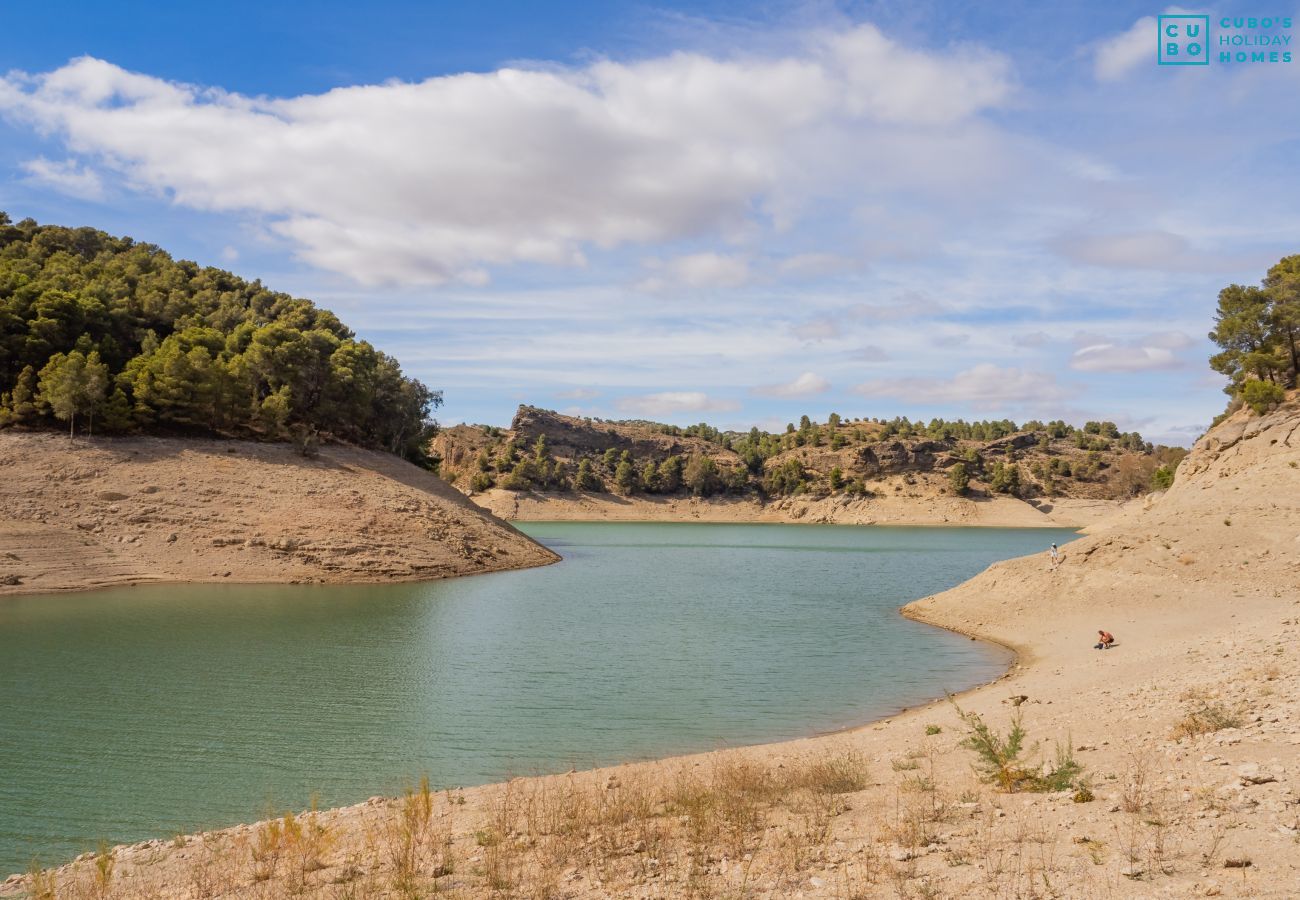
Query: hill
{"points": [[114, 335], [116, 510], [548, 465]]}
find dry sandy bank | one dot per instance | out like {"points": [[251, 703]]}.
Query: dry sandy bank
{"points": [[88, 513], [917, 507]]}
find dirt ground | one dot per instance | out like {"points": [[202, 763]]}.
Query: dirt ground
{"points": [[88, 513]]}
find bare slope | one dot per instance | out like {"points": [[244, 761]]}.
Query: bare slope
{"points": [[1188, 729], [90, 513]]}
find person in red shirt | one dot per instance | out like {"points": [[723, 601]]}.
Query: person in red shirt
{"points": [[1104, 640]]}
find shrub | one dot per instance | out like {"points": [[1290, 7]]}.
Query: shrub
{"points": [[999, 759], [1206, 717], [1261, 395], [959, 479], [1162, 478]]}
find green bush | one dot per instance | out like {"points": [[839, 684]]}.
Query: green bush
{"points": [[1162, 478], [1261, 395]]}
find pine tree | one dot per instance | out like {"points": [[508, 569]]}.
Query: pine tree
{"points": [[72, 384]]}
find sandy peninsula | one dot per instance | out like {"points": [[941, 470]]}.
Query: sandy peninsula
{"points": [[96, 512], [1187, 731]]}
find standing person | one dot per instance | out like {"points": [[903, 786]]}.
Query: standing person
{"points": [[1056, 556]]}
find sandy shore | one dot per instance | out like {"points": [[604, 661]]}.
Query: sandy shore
{"points": [[88, 513], [917, 504], [1188, 731]]}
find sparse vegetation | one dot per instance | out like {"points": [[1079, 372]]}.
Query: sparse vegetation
{"points": [[999, 758], [814, 460]]}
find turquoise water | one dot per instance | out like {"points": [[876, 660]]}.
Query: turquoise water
{"points": [[140, 712]]}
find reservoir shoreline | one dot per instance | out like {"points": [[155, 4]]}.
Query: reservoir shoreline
{"points": [[1200, 588]]}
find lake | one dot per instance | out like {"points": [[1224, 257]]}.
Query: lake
{"points": [[140, 712]]}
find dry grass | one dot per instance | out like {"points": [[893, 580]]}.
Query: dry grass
{"points": [[1204, 716]]}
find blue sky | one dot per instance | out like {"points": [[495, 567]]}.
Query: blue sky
{"points": [[732, 212]]}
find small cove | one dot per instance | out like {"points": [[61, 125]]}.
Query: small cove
{"points": [[139, 712]]}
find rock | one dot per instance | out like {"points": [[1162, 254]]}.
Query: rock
{"points": [[10, 580], [111, 496], [1251, 773]]}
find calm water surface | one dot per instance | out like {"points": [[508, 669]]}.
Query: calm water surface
{"points": [[140, 712]]}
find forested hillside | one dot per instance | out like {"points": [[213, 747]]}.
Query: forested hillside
{"points": [[545, 451], [103, 333]]}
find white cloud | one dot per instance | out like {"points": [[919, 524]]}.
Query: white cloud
{"points": [[1117, 56], [984, 387], [441, 180], [67, 177], [1154, 351], [668, 403], [579, 394], [806, 385]]}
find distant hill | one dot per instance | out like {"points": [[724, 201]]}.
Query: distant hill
{"points": [[545, 451]]}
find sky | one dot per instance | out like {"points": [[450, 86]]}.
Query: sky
{"points": [[729, 212]]}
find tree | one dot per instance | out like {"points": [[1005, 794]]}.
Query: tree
{"points": [[625, 479], [959, 479], [1005, 479], [670, 474], [585, 479], [1283, 285], [836, 478], [72, 384], [22, 401], [701, 476], [650, 477]]}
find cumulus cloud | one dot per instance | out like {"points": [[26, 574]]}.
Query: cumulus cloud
{"points": [[668, 403], [1115, 57], [67, 177], [984, 387], [443, 179], [806, 385], [1153, 351]]}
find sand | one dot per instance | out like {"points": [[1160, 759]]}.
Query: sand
{"points": [[87, 513], [900, 503], [1201, 586]]}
